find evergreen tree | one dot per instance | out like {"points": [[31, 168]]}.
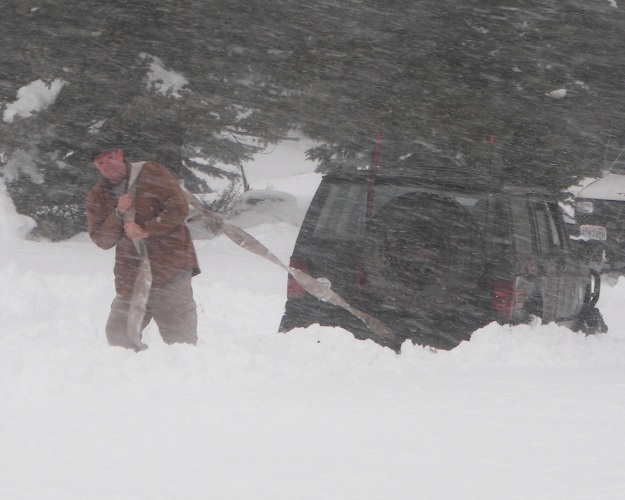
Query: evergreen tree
{"points": [[471, 79]]}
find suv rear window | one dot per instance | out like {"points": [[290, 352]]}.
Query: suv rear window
{"points": [[343, 214]]}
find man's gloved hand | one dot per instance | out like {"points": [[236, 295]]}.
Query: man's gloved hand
{"points": [[134, 231], [124, 203]]}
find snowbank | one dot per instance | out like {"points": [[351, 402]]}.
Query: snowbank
{"points": [[523, 412], [12, 224]]}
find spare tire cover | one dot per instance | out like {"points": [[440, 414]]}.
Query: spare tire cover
{"points": [[423, 254]]}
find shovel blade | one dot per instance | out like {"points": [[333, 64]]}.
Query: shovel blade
{"points": [[139, 301]]}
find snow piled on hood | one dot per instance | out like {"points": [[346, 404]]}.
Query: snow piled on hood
{"points": [[610, 187]]}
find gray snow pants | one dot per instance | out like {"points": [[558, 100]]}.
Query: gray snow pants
{"points": [[172, 307]]}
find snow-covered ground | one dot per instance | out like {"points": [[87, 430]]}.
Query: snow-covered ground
{"points": [[526, 412]]}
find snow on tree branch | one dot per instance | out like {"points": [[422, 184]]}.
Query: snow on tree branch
{"points": [[33, 98]]}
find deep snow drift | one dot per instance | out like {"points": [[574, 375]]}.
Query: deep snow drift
{"points": [[526, 412]]}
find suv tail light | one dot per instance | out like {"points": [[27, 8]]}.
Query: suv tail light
{"points": [[506, 297], [293, 289]]}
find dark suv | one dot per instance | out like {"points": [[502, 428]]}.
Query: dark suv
{"points": [[436, 257]]}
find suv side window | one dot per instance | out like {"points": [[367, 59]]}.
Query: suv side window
{"points": [[542, 229], [499, 223], [557, 231], [548, 236], [523, 238]]}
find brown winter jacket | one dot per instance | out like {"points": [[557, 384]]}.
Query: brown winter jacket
{"points": [[161, 210]]}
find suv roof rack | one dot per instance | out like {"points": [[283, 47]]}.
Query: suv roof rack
{"points": [[430, 175]]}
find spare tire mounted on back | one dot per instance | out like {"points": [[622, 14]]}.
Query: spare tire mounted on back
{"points": [[423, 252]]}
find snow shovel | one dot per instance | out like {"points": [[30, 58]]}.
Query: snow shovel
{"points": [[139, 299], [143, 281], [321, 291]]}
